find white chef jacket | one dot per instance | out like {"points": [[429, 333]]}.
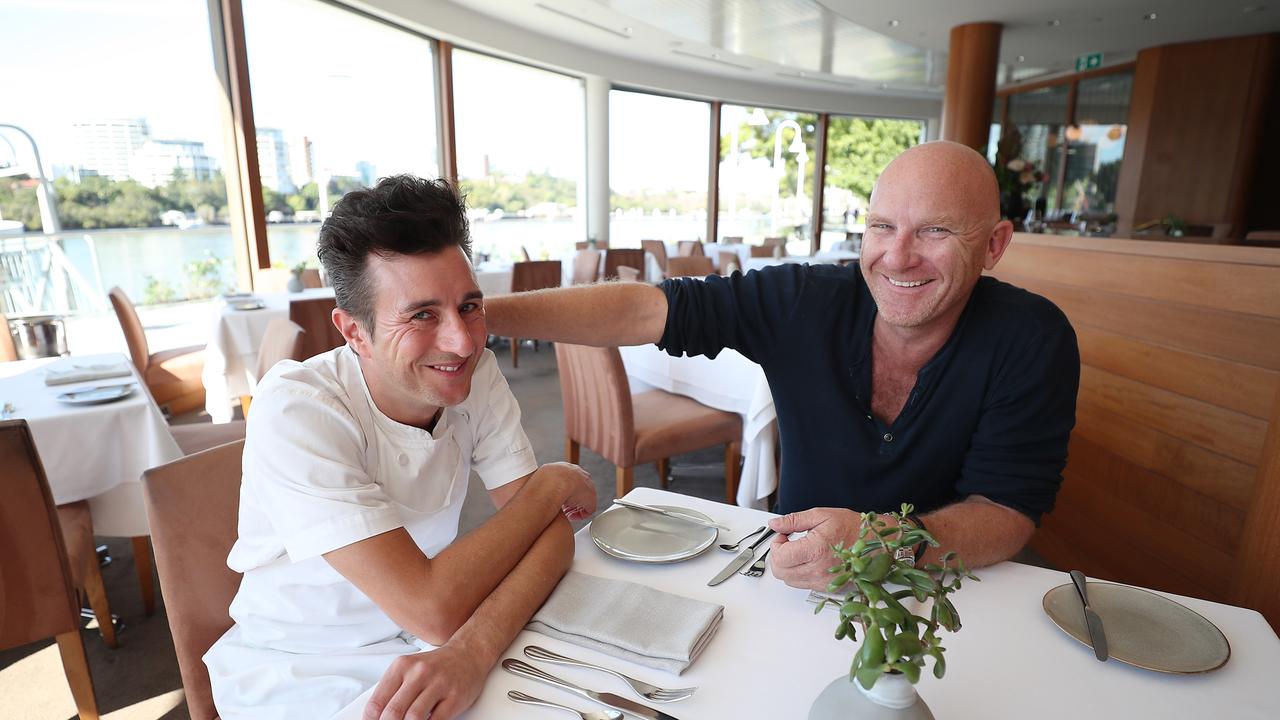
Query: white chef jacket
{"points": [[324, 468]]}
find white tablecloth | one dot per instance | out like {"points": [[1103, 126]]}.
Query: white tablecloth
{"points": [[713, 250], [730, 382], [772, 656], [92, 452]]}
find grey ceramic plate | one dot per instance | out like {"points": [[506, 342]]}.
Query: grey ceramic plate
{"points": [[94, 396], [642, 536], [1143, 628]]}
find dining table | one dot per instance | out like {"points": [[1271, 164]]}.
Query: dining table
{"points": [[95, 452], [728, 382], [772, 655]]}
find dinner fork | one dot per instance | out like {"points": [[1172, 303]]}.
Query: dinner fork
{"points": [[517, 696], [642, 688], [757, 567]]}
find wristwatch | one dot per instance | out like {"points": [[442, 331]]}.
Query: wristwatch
{"points": [[922, 545]]}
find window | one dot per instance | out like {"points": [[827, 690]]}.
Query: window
{"points": [[858, 149], [520, 141], [1095, 145], [766, 175], [1035, 134], [339, 101], [658, 148], [121, 101]]}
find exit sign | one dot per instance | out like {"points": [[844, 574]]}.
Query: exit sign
{"points": [[1089, 62]]}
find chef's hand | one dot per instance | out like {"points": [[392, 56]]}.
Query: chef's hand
{"points": [[803, 563], [439, 684], [580, 496]]}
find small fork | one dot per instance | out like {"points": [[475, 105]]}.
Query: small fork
{"points": [[757, 567], [644, 689]]}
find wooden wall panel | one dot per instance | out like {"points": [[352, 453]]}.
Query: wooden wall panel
{"points": [[1175, 426]]}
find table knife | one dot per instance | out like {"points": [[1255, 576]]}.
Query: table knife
{"points": [[1097, 637], [742, 559], [671, 514], [617, 702]]}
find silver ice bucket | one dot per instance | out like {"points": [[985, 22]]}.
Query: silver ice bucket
{"points": [[38, 336]]}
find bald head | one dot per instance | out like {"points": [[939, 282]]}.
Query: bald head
{"points": [[953, 173]]}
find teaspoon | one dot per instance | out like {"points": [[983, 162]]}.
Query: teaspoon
{"points": [[734, 547]]}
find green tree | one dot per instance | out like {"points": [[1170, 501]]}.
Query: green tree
{"points": [[306, 198], [858, 149], [18, 202]]}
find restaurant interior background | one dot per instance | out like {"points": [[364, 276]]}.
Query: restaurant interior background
{"points": [[183, 149]]}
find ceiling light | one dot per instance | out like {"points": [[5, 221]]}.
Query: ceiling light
{"points": [[1054, 22], [895, 23], [1022, 58], [1074, 133], [1149, 16], [758, 118]]}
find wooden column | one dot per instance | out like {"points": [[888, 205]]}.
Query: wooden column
{"points": [[713, 175], [1257, 581], [445, 136], [973, 54]]}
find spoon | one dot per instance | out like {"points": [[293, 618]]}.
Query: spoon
{"points": [[520, 697], [734, 547]]}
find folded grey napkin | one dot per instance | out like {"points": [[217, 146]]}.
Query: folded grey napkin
{"points": [[637, 623], [85, 373]]}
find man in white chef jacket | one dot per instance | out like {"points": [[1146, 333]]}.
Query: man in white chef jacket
{"points": [[356, 463]]}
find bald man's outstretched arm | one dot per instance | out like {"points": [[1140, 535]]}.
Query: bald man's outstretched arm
{"points": [[601, 315]]}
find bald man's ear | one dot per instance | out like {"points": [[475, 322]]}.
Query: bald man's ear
{"points": [[999, 242], [352, 332]]}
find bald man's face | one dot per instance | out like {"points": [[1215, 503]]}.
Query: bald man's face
{"points": [[930, 232]]}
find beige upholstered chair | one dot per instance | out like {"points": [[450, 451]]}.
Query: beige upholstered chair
{"points": [[763, 251], [729, 263], [193, 506], [529, 276], [315, 317], [586, 245], [776, 242], [626, 273], [658, 250], [45, 558], [601, 413], [172, 376], [282, 340], [586, 267], [694, 266], [689, 248], [614, 258]]}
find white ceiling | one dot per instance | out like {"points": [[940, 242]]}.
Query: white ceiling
{"points": [[893, 48]]}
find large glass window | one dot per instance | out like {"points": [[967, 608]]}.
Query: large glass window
{"points": [[1034, 135], [858, 149], [1095, 145], [520, 140], [658, 148], [121, 102], [339, 101], [766, 175]]}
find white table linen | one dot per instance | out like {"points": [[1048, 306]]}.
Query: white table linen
{"points": [[713, 250], [730, 382], [92, 452], [772, 656]]}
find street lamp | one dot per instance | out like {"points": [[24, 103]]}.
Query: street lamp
{"points": [[44, 192], [796, 147]]}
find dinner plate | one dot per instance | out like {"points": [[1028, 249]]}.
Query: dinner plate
{"points": [[1143, 629], [94, 396], [248, 305], [647, 537]]}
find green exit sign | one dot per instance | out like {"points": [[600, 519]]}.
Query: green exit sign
{"points": [[1089, 62]]}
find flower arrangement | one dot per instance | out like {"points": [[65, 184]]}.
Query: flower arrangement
{"points": [[894, 639], [1017, 176]]}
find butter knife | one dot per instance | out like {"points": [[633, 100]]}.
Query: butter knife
{"points": [[738, 562], [1097, 637], [671, 514], [617, 702]]}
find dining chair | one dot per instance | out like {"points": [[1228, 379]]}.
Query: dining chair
{"points": [[777, 242], [614, 258], [315, 317], [46, 559], [282, 340], [172, 376], [8, 350], [694, 266], [687, 248], [529, 276], [763, 251], [586, 267], [729, 263], [731, 240], [626, 273], [627, 430], [658, 249], [193, 506], [524, 251]]}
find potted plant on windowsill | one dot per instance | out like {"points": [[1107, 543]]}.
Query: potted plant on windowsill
{"points": [[900, 608], [295, 283]]}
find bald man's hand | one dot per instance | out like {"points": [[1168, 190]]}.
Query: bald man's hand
{"points": [[804, 563]]}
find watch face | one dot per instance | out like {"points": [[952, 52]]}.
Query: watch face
{"points": [[905, 555]]}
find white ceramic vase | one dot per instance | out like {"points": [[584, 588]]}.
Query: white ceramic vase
{"points": [[892, 698], [295, 283]]}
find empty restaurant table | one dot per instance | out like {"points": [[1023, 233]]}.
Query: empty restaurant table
{"points": [[98, 439], [771, 656]]}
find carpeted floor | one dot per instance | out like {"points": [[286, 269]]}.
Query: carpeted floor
{"points": [[140, 680]]}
